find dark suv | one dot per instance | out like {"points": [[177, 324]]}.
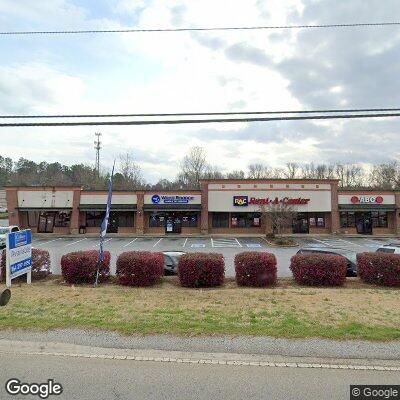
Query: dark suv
{"points": [[350, 256]]}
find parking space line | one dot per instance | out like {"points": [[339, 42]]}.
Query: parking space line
{"points": [[53, 240], [158, 241], [70, 244], [184, 244], [347, 241], [324, 243], [237, 241], [130, 242], [212, 242], [98, 244]]}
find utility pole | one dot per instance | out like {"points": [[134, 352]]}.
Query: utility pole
{"points": [[97, 146]]}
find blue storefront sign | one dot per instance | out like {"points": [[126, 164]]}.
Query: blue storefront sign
{"points": [[18, 255], [177, 199]]}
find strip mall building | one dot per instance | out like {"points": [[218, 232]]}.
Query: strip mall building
{"points": [[220, 207]]}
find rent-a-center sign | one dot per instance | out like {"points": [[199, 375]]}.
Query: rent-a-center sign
{"points": [[244, 201]]}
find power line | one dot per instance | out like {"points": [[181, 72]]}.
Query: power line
{"points": [[228, 28], [200, 121], [197, 113]]}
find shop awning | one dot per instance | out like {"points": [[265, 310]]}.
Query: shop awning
{"points": [[172, 207], [367, 207], [102, 207]]}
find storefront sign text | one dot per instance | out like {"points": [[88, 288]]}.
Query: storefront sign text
{"points": [[367, 199], [177, 199], [243, 201]]}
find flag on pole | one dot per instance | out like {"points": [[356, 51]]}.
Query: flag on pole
{"points": [[104, 224]]}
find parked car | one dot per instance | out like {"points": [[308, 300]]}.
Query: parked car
{"points": [[349, 255], [171, 261], [3, 231], [389, 249]]}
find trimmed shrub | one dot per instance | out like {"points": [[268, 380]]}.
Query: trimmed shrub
{"points": [[379, 268], [255, 268], [319, 269], [139, 268], [201, 269], [81, 266], [41, 266]]}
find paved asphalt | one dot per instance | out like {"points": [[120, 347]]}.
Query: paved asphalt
{"points": [[228, 246], [85, 378]]}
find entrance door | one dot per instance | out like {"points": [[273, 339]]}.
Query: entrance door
{"points": [[46, 223], [113, 223], [173, 223], [300, 223], [364, 223]]}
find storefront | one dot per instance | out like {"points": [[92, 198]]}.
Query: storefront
{"points": [[367, 213], [172, 213], [246, 206]]}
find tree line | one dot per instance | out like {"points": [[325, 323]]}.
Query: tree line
{"points": [[192, 168]]}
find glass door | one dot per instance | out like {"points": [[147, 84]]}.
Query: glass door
{"points": [[364, 223], [46, 222], [300, 223]]}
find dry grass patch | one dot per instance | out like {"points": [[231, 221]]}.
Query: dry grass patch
{"points": [[286, 310]]}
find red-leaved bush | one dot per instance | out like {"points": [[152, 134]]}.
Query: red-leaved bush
{"points": [[379, 268], [255, 268], [201, 270], [81, 266], [139, 268], [41, 266], [319, 269]]}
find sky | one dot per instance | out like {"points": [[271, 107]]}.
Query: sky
{"points": [[201, 72]]}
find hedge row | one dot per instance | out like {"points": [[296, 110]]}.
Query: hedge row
{"points": [[41, 266]]}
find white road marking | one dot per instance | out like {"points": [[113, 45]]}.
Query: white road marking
{"points": [[320, 241], [53, 240], [184, 244], [237, 241], [198, 245], [352, 243], [98, 244], [70, 244], [253, 245], [158, 241], [130, 242]]}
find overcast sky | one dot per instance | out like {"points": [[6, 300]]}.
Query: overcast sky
{"points": [[201, 72]]}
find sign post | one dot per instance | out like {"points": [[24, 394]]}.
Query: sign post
{"points": [[18, 255]]}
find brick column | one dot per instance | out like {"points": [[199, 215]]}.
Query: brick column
{"points": [[397, 214], [335, 218], [74, 225], [204, 208], [12, 206], [140, 213]]}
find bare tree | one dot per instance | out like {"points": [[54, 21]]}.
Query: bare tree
{"points": [[131, 175], [258, 171], [278, 216], [386, 176], [192, 168], [319, 171], [292, 169], [236, 174], [349, 175]]}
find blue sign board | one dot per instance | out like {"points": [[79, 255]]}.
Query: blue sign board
{"points": [[19, 254], [177, 199]]}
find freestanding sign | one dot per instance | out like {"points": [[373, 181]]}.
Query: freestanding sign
{"points": [[18, 255]]}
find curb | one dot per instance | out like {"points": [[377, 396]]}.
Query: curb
{"points": [[227, 359]]}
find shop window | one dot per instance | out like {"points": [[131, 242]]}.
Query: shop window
{"points": [[156, 221], [379, 219], [246, 220], [32, 218], [94, 218], [347, 219], [220, 220], [62, 219], [317, 220], [125, 219], [189, 220]]}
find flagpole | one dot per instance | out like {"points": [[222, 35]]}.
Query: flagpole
{"points": [[103, 227]]}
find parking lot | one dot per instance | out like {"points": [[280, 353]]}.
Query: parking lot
{"points": [[228, 246]]}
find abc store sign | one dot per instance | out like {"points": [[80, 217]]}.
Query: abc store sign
{"points": [[367, 199]]}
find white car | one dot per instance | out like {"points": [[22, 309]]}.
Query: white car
{"points": [[3, 231], [389, 249]]}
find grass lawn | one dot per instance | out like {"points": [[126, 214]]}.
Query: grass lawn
{"points": [[3, 215], [356, 311]]}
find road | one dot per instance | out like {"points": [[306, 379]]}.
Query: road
{"points": [[85, 378], [228, 246]]}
